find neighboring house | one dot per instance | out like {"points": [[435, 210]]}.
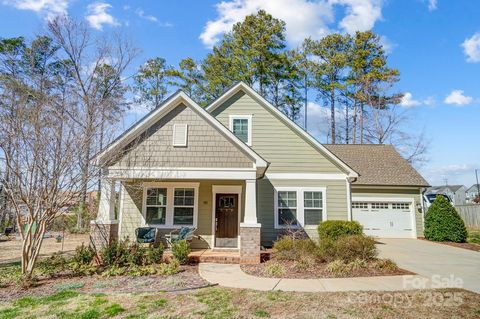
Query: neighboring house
{"points": [[472, 193], [242, 173], [456, 193]]}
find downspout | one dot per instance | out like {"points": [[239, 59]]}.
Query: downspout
{"points": [[422, 193], [349, 181]]}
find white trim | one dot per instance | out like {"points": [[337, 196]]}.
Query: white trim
{"points": [[349, 199], [176, 126], [226, 189], [229, 169], [304, 176], [170, 186], [410, 200], [242, 117], [155, 173], [284, 118], [121, 198], [300, 205], [174, 101]]}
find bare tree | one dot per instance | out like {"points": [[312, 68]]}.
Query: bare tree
{"points": [[98, 66]]}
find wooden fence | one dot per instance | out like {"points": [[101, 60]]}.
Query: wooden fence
{"points": [[470, 214]]}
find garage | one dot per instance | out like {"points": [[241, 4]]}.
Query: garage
{"points": [[392, 218]]}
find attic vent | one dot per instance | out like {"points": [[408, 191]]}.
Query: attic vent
{"points": [[180, 134]]}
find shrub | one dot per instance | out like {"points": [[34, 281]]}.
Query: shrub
{"points": [[171, 268], [136, 270], [115, 254], [53, 265], [154, 254], [334, 229], [274, 269], [288, 248], [136, 254], [336, 267], [180, 251], [348, 248], [442, 222], [83, 255], [385, 264]]}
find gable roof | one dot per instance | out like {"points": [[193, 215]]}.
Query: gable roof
{"points": [[439, 189], [291, 124], [152, 117], [473, 188], [378, 165]]}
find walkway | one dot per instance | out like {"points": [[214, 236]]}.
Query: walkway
{"points": [[229, 275]]}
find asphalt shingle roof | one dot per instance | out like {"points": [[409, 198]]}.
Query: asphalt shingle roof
{"points": [[378, 165]]}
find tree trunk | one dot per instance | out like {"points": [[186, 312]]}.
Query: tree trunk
{"points": [[332, 104], [347, 124], [354, 128], [361, 123]]}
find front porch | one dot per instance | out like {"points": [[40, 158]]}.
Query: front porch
{"points": [[223, 211]]}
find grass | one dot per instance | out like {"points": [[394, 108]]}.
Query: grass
{"points": [[473, 236], [223, 303]]}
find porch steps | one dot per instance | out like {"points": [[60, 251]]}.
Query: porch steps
{"points": [[221, 256]]}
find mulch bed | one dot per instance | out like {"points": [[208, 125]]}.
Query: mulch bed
{"points": [[318, 271], [187, 278]]}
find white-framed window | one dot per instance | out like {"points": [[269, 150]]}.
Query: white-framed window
{"points": [[170, 205], [183, 206], [360, 205], [401, 206], [241, 127], [299, 206], [180, 134], [379, 205], [156, 206]]}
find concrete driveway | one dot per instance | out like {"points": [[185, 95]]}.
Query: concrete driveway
{"points": [[428, 259]]}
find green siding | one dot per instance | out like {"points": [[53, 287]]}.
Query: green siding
{"points": [[336, 202], [274, 140], [131, 215], [394, 193]]}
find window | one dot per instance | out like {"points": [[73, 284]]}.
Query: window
{"points": [[156, 206], [180, 132], [299, 206], [170, 205], [359, 205], [313, 208], [241, 126], [402, 206], [379, 205], [183, 206], [287, 208]]}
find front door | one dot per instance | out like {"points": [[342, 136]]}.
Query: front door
{"points": [[226, 220]]}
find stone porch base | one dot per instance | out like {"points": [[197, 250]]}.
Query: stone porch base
{"points": [[250, 244]]}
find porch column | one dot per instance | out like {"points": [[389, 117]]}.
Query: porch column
{"points": [[250, 228], [104, 229]]}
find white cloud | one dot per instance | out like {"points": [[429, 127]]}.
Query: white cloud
{"points": [[388, 45], [303, 18], [408, 101], [471, 48], [453, 173], [458, 98], [361, 15], [50, 8], [432, 5], [139, 12], [97, 15]]}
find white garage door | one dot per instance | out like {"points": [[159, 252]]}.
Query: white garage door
{"points": [[385, 218]]}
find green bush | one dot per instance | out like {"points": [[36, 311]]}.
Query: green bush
{"points": [[274, 269], [180, 251], [348, 248], [154, 254], [115, 254], [83, 255], [288, 248], [442, 222], [334, 229], [171, 268], [136, 255], [53, 265]]}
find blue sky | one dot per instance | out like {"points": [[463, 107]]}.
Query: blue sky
{"points": [[434, 43]]}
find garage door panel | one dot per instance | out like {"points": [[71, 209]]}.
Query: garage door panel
{"points": [[385, 219]]}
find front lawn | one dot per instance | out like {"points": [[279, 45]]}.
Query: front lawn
{"points": [[223, 303]]}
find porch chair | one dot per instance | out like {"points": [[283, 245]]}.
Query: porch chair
{"points": [[184, 233], [146, 235]]}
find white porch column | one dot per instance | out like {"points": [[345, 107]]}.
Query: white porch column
{"points": [[106, 207], [250, 218]]}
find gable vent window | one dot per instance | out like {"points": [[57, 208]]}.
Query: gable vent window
{"points": [[180, 133]]}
